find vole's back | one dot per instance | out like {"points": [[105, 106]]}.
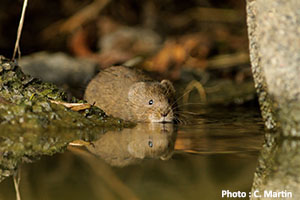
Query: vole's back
{"points": [[109, 89]]}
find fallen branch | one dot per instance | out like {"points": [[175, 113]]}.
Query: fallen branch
{"points": [[73, 106]]}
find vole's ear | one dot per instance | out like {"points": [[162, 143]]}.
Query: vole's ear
{"points": [[169, 86], [135, 90]]}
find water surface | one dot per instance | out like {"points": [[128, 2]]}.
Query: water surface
{"points": [[216, 150]]}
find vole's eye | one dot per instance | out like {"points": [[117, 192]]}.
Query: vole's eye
{"points": [[150, 144], [151, 102]]}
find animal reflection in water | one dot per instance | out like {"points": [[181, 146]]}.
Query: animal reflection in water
{"points": [[130, 146]]}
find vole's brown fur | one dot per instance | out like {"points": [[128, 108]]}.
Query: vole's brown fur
{"points": [[127, 93]]}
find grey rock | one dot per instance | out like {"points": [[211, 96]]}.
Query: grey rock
{"points": [[58, 68], [274, 35]]}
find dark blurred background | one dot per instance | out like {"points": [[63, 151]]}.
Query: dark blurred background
{"points": [[168, 18], [203, 40], [218, 27]]}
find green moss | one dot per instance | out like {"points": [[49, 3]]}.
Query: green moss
{"points": [[32, 126]]}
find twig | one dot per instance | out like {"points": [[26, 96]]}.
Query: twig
{"points": [[17, 47], [197, 85], [73, 106], [78, 19], [80, 143], [17, 178], [228, 60]]}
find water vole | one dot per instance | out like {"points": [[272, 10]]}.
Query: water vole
{"points": [[129, 94]]}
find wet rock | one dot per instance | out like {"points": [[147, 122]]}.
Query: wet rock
{"points": [[273, 29], [278, 168], [60, 69]]}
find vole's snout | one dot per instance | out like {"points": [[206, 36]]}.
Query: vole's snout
{"points": [[164, 114], [167, 115]]}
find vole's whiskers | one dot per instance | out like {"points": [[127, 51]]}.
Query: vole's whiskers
{"points": [[186, 112], [187, 104], [180, 120], [187, 92]]}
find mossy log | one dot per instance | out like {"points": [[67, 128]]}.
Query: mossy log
{"points": [[32, 126]]}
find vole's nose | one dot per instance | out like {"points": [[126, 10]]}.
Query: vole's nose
{"points": [[164, 114]]}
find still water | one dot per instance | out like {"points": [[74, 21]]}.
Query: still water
{"points": [[216, 149]]}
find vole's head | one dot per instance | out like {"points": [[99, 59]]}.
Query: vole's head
{"points": [[152, 101]]}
